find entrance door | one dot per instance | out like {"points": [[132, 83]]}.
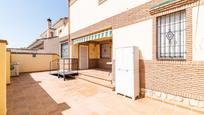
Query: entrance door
{"points": [[83, 57]]}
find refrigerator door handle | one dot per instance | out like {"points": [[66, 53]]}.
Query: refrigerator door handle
{"points": [[126, 70]]}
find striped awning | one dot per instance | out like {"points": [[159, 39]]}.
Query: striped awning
{"points": [[103, 34]]}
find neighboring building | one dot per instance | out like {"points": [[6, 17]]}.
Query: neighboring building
{"points": [[169, 34], [54, 39]]}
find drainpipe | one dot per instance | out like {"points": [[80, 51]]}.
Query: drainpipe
{"points": [[69, 36]]}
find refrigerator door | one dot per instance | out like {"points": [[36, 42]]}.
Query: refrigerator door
{"points": [[129, 71], [119, 80], [125, 71]]}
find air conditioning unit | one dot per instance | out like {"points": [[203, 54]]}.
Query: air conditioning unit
{"points": [[15, 69], [127, 72]]}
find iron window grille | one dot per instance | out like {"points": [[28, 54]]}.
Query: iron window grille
{"points": [[171, 36]]}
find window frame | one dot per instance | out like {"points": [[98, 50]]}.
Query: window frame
{"points": [[101, 46], [34, 55], [51, 34], [61, 51], [184, 32]]}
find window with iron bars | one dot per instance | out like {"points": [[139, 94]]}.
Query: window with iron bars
{"points": [[171, 36]]}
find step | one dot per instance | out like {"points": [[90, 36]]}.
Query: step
{"points": [[97, 81], [101, 77]]}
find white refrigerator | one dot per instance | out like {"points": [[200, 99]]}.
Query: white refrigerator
{"points": [[127, 71]]}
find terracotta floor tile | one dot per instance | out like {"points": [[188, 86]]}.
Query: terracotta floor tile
{"points": [[37, 112], [18, 111]]}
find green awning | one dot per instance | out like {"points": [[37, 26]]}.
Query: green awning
{"points": [[165, 2], [107, 33]]}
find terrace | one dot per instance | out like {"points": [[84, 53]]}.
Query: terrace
{"points": [[43, 94]]}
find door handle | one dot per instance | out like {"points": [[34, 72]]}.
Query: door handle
{"points": [[126, 70]]}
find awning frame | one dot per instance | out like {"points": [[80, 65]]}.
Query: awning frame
{"points": [[99, 35]]}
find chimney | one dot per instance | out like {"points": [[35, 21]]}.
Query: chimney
{"points": [[49, 23], [65, 20], [49, 28]]}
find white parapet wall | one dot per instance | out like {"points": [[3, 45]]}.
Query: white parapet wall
{"points": [[139, 34]]}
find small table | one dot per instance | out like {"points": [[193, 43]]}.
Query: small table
{"points": [[110, 63]]}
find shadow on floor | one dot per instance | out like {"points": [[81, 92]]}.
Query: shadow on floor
{"points": [[26, 97], [67, 77]]}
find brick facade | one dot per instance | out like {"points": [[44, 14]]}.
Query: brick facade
{"points": [[183, 78], [99, 63], [177, 78]]}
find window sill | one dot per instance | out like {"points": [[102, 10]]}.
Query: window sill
{"points": [[64, 58], [105, 58], [101, 2], [171, 59], [169, 5]]}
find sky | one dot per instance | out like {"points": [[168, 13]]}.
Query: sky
{"points": [[22, 21]]}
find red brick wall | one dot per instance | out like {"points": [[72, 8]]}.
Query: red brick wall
{"points": [[99, 63], [177, 78], [93, 63], [182, 78]]}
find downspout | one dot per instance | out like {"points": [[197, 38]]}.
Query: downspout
{"points": [[69, 38]]}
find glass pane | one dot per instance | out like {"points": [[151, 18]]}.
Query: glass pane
{"points": [[106, 50], [64, 50]]}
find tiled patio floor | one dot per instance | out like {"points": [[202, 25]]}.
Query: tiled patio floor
{"points": [[43, 94], [98, 73]]}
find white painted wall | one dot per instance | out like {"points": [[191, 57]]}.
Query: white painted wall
{"points": [[198, 37], [87, 12], [139, 34], [51, 46], [64, 32], [57, 31], [62, 27]]}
